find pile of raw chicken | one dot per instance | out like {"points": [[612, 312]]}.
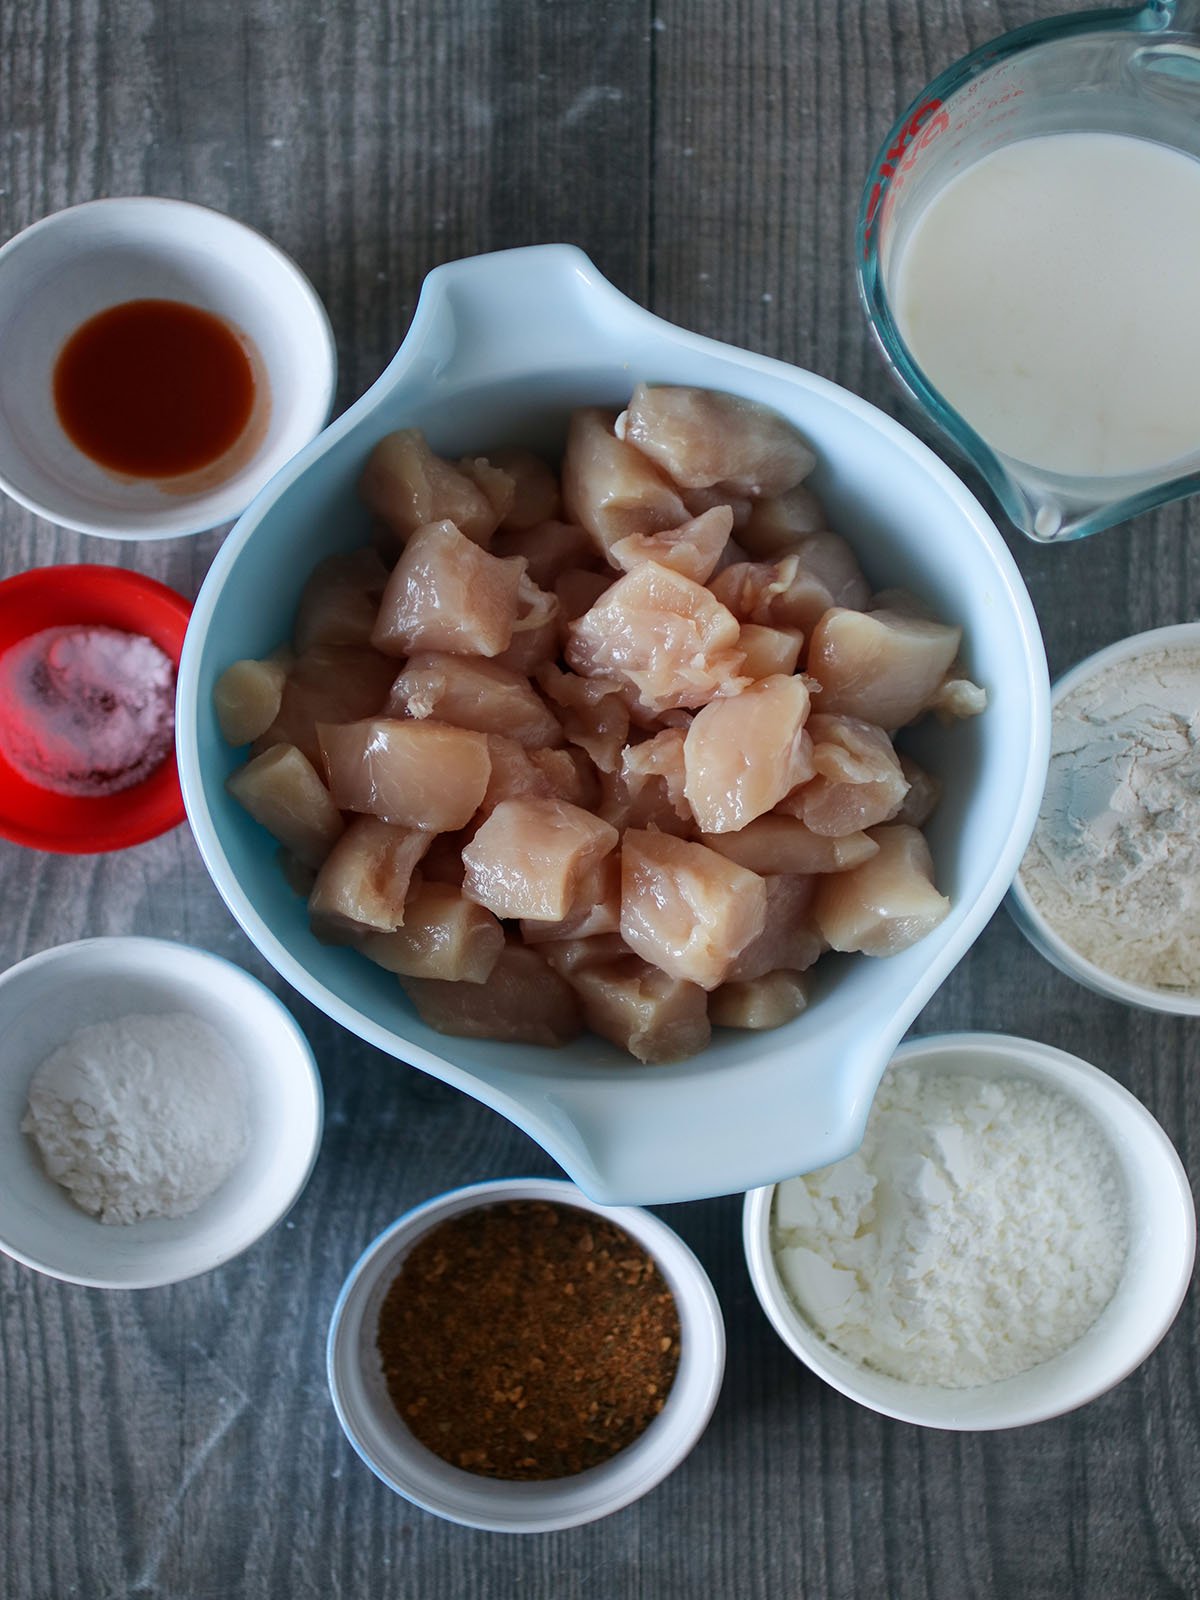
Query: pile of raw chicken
{"points": [[612, 751]]}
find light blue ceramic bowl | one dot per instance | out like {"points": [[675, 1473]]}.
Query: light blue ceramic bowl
{"points": [[500, 350]]}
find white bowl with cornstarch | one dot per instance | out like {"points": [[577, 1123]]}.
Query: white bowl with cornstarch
{"points": [[1109, 888], [160, 1111], [1014, 1236]]}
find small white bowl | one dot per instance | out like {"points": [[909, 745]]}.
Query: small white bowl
{"points": [[1044, 938], [375, 1429], [45, 999], [66, 268], [1162, 1245]]}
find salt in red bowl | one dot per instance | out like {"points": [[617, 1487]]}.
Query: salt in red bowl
{"points": [[90, 596]]}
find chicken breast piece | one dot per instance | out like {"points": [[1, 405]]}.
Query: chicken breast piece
{"points": [[765, 1002], [883, 666], [694, 549], [407, 487], [769, 650], [663, 634], [537, 630], [858, 780], [445, 593], [610, 488], [536, 497], [744, 752], [656, 1018], [685, 908], [924, 792], [528, 857], [549, 549], [416, 774], [444, 936], [365, 878], [340, 601], [701, 438], [472, 692], [661, 757], [329, 683], [789, 937], [247, 697], [775, 523], [777, 843], [886, 904], [523, 1001], [595, 910], [785, 593], [594, 712], [282, 790]]}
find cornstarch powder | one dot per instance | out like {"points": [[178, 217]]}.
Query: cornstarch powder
{"points": [[141, 1117], [980, 1230], [1114, 863]]}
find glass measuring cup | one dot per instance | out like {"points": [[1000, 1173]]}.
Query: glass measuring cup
{"points": [[1134, 71]]}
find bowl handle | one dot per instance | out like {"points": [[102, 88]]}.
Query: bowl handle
{"points": [[477, 319]]}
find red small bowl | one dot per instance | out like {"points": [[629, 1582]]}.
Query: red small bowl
{"points": [[55, 597]]}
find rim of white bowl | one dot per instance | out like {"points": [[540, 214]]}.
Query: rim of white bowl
{"points": [[1045, 939], [320, 360], [930, 1406], [136, 947], [499, 1505]]}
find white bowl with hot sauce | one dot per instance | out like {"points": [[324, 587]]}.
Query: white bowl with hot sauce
{"points": [[220, 299], [397, 1457], [501, 350]]}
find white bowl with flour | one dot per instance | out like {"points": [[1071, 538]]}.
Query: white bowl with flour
{"points": [[1158, 1241], [1109, 888], [44, 1002]]}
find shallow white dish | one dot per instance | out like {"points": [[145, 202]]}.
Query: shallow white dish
{"points": [[68, 267], [1020, 906], [375, 1429], [1162, 1245], [501, 348], [45, 999]]}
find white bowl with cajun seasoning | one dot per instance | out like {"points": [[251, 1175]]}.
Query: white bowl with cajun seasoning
{"points": [[161, 363], [534, 1402]]}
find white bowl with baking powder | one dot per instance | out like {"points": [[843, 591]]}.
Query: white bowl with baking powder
{"points": [[1161, 1224], [65, 269], [1032, 923], [382, 1440], [47, 998]]}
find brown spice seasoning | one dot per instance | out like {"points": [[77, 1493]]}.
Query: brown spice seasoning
{"points": [[528, 1340]]}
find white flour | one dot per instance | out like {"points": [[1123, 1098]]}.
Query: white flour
{"points": [[980, 1229], [1114, 864], [141, 1117]]}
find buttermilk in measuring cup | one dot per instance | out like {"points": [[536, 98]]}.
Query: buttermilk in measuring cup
{"points": [[1048, 292]]}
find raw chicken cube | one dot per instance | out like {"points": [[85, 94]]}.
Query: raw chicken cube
{"points": [[887, 903], [610, 488], [577, 591], [537, 630], [416, 774], [957, 697], [859, 781], [567, 956], [698, 501], [693, 549], [685, 908], [340, 601], [408, 487], [663, 758], [924, 792], [444, 936], [445, 593], [791, 592], [528, 858], [883, 666], [247, 697], [518, 773], [775, 523], [442, 862], [595, 910], [498, 487], [643, 801], [701, 438], [536, 497], [664, 634], [769, 650], [789, 937], [472, 692], [281, 790], [549, 549], [594, 713], [656, 1018], [329, 683], [743, 753], [777, 843], [765, 1002], [523, 1001], [364, 879]]}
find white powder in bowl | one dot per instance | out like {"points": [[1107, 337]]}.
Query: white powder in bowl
{"points": [[141, 1117], [980, 1230]]}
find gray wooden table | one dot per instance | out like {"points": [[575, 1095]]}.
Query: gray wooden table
{"points": [[709, 155]]}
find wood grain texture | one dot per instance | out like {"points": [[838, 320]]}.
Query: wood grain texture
{"points": [[709, 155]]}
